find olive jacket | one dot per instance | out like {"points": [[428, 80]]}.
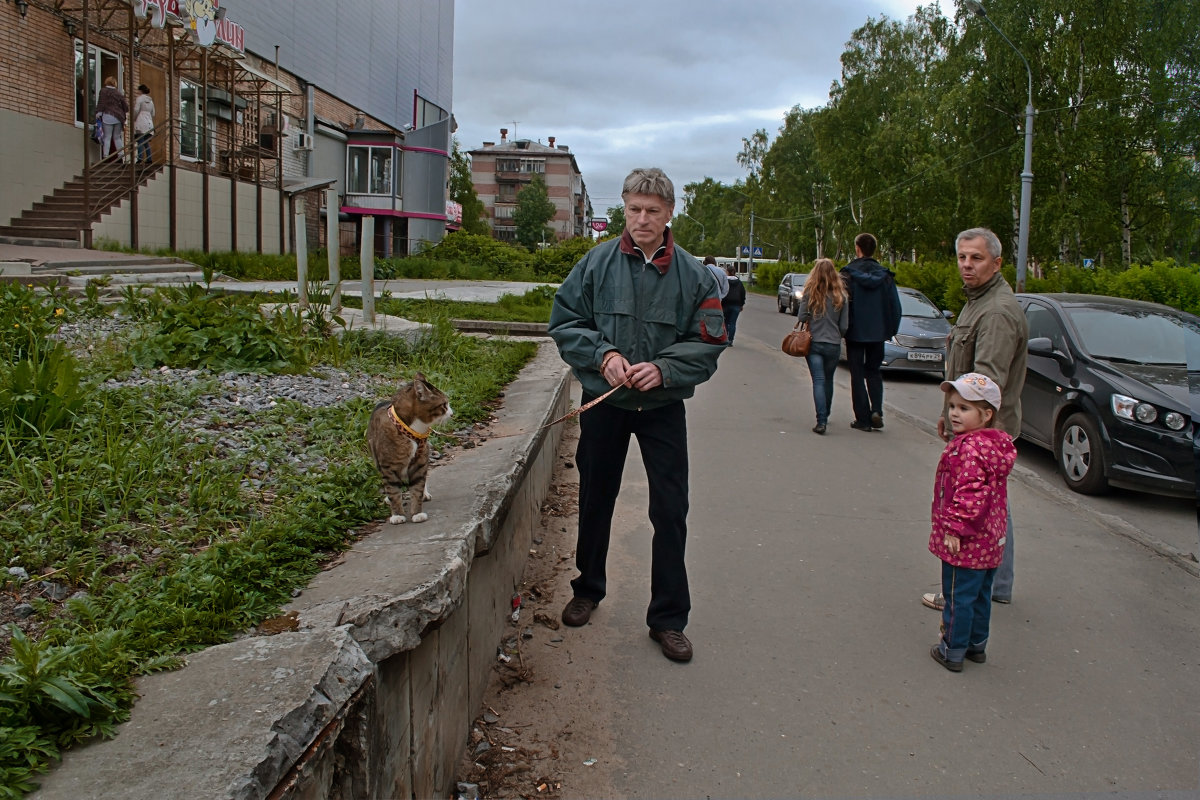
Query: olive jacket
{"points": [[665, 311], [991, 336]]}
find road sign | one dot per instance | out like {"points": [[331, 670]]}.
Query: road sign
{"points": [[757, 251], [1088, 263]]}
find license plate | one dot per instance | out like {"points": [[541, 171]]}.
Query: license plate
{"points": [[917, 355]]}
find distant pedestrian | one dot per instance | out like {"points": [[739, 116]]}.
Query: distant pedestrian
{"points": [[112, 108], [825, 306], [874, 318], [989, 336], [733, 302], [640, 315], [719, 274], [970, 514], [143, 123]]}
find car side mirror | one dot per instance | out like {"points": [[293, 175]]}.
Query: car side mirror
{"points": [[947, 313], [1041, 346]]}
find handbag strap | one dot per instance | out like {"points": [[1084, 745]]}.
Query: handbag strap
{"points": [[799, 323]]}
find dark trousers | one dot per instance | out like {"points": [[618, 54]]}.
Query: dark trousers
{"points": [[731, 317], [866, 383], [967, 615], [604, 433]]}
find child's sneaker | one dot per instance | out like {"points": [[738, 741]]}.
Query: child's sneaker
{"points": [[940, 657]]}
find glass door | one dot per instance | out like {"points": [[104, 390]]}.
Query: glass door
{"points": [[191, 121]]}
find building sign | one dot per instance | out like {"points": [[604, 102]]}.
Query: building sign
{"points": [[205, 19], [454, 211], [599, 225]]}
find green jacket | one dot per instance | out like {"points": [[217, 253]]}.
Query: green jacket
{"points": [[666, 312], [991, 336]]}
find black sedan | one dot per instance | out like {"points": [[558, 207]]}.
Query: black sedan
{"points": [[1106, 388]]}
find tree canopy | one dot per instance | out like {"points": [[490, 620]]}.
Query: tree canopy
{"points": [[922, 136], [462, 191]]}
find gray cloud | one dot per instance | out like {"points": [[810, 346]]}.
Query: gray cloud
{"points": [[653, 83]]}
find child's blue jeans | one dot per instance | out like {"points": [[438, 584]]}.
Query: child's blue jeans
{"points": [[967, 615]]}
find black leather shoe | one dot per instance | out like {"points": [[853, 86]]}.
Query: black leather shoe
{"points": [[953, 666], [674, 644], [819, 428], [861, 426], [876, 419], [978, 656], [578, 612]]}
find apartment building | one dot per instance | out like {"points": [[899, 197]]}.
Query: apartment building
{"points": [[500, 170], [261, 106]]}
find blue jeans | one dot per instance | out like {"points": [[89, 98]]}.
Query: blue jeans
{"points": [[1002, 588], [967, 615], [822, 361], [731, 315], [143, 148]]}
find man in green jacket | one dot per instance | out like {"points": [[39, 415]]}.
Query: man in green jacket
{"points": [[639, 315], [990, 336]]}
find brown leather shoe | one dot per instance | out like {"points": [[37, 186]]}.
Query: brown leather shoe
{"points": [[578, 612], [674, 644]]}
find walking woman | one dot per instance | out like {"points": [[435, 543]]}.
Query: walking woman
{"points": [[112, 108], [143, 123], [825, 306]]}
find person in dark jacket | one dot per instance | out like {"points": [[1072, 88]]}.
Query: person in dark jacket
{"points": [[639, 321], [733, 302], [874, 318], [111, 108]]}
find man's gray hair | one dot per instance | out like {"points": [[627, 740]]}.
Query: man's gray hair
{"points": [[651, 181], [993, 241]]}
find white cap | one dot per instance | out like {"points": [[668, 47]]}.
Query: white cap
{"points": [[975, 386]]}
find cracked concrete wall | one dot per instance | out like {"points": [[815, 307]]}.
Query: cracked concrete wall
{"points": [[374, 695]]}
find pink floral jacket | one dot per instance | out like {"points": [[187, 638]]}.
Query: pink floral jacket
{"points": [[970, 495]]}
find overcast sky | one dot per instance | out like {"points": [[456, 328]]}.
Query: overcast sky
{"points": [[670, 83]]}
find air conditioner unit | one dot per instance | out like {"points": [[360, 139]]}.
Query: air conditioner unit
{"points": [[304, 141]]}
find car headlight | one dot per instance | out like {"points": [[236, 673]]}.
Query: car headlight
{"points": [[1126, 407], [1174, 420], [799, 293]]}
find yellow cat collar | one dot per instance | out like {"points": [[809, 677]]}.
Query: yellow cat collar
{"points": [[407, 431]]}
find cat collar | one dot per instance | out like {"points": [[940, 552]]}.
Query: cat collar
{"points": [[403, 426]]}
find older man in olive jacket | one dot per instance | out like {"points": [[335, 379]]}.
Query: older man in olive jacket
{"points": [[640, 316], [990, 336]]}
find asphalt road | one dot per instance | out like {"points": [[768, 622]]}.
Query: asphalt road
{"points": [[812, 676]]}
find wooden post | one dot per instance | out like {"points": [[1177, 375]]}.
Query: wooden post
{"points": [[366, 263]]}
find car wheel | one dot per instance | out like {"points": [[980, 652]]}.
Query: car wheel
{"points": [[793, 307], [1080, 455], [779, 303]]}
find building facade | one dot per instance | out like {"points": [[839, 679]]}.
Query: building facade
{"points": [[259, 106], [500, 171]]}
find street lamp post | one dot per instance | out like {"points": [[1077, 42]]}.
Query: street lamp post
{"points": [[693, 219], [978, 10]]}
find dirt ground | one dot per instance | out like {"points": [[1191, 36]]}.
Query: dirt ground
{"points": [[543, 728]]}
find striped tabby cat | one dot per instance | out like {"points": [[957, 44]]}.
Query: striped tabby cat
{"points": [[398, 438]]}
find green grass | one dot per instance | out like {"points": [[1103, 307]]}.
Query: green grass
{"points": [[171, 528]]}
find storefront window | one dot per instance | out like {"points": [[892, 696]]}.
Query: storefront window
{"points": [[192, 133]]}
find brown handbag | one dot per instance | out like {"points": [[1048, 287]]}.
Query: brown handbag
{"points": [[798, 341]]}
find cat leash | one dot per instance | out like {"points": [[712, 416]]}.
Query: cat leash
{"points": [[569, 415]]}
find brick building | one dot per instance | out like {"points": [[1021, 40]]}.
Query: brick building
{"points": [[260, 106], [500, 171]]}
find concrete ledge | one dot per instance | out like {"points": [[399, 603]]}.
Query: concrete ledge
{"points": [[373, 695], [500, 328]]}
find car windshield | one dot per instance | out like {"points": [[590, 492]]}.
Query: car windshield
{"points": [[913, 305], [1136, 336]]}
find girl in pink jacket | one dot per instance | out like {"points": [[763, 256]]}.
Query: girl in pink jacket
{"points": [[970, 496]]}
